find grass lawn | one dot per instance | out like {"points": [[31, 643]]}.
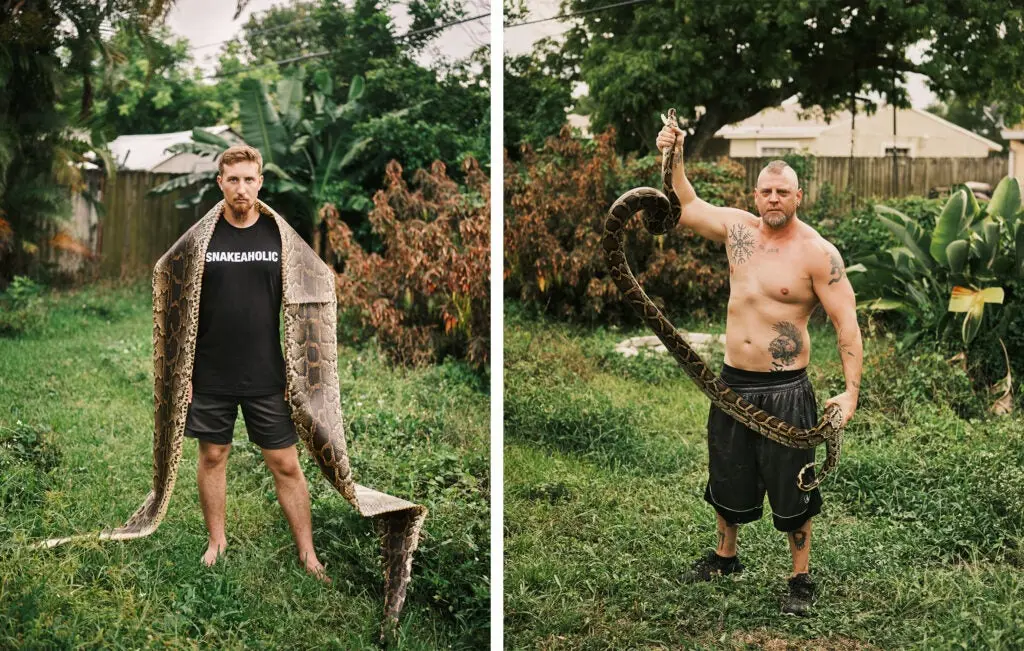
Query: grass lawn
{"points": [[76, 419], [918, 544]]}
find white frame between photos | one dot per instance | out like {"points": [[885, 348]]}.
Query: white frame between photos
{"points": [[497, 463]]}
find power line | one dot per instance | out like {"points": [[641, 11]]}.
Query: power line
{"points": [[257, 33], [577, 13], [303, 57], [277, 28]]}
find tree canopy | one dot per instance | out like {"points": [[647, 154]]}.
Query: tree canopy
{"points": [[733, 58]]}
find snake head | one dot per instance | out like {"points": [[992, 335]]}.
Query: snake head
{"points": [[670, 119]]}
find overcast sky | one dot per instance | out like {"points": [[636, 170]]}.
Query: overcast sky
{"points": [[205, 22]]}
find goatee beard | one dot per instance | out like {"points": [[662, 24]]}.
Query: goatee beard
{"points": [[776, 219]]}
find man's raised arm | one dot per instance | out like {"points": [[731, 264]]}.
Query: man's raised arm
{"points": [[705, 219]]}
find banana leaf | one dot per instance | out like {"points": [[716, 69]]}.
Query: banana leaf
{"points": [[203, 149], [207, 138], [183, 181], [289, 98], [355, 89], [956, 255], [910, 234], [1005, 201], [261, 125], [972, 210], [324, 82], [949, 226]]}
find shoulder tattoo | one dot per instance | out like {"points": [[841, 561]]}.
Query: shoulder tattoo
{"points": [[837, 271], [740, 243]]}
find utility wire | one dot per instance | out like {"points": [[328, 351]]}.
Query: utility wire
{"points": [[257, 33], [576, 13], [277, 28], [425, 30]]}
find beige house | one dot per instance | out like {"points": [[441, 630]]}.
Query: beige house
{"points": [[1016, 138], [789, 128]]}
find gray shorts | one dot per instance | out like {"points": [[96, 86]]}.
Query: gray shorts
{"points": [[211, 418], [743, 465]]}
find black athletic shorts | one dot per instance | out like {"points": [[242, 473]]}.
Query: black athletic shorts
{"points": [[743, 465], [211, 418]]}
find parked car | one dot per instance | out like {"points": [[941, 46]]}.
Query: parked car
{"points": [[982, 191]]}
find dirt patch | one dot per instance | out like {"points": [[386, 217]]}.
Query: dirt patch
{"points": [[769, 642]]}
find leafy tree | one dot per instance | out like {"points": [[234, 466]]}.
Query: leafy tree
{"points": [[537, 94], [735, 58], [151, 87], [447, 105], [41, 41]]}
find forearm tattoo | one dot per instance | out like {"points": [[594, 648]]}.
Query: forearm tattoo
{"points": [[741, 243], [837, 271], [786, 347], [799, 539]]}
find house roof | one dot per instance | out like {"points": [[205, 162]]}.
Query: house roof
{"points": [[145, 151], [791, 121]]}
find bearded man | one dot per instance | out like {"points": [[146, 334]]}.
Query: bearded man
{"points": [[238, 358], [780, 269]]}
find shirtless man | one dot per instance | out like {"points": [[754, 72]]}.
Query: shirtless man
{"points": [[779, 270]]}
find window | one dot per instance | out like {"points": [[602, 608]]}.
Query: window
{"points": [[776, 151], [901, 152]]}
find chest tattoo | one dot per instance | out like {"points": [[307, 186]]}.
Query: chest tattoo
{"points": [[741, 243]]}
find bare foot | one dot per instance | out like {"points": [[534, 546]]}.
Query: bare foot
{"points": [[316, 569], [213, 552]]}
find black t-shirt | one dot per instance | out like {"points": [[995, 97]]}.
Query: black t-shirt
{"points": [[238, 352]]}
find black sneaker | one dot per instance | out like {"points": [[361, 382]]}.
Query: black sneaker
{"points": [[800, 597], [712, 566]]}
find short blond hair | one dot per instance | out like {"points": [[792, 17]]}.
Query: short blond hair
{"points": [[240, 154]]}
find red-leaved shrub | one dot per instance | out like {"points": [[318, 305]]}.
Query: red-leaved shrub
{"points": [[556, 203], [426, 295]]}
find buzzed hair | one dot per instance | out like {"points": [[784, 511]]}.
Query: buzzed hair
{"points": [[779, 167], [240, 154]]}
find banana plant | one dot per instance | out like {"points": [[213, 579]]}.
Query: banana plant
{"points": [[306, 147], [958, 267]]}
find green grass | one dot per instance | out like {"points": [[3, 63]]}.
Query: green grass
{"points": [[76, 424], [918, 544]]}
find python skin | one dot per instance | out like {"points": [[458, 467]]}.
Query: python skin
{"points": [[661, 214], [311, 370]]}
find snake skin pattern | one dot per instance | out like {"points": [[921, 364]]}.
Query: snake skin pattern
{"points": [[660, 215], [311, 370]]}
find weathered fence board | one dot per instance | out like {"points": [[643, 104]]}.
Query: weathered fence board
{"points": [[137, 227], [873, 177]]}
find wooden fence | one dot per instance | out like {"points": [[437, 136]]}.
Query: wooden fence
{"points": [[137, 228], [873, 177]]}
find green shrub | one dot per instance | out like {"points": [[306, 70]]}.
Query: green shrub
{"points": [[967, 247], [556, 204], [859, 232], [898, 383], [27, 455], [21, 308]]}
